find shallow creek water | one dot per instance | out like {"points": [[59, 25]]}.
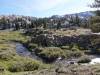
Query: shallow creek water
{"points": [[23, 51]]}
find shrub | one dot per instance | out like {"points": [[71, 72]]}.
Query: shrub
{"points": [[74, 54], [2, 68], [95, 44], [50, 53], [24, 66], [95, 27], [31, 66], [84, 60], [16, 67], [95, 19], [65, 47], [32, 46], [95, 24], [75, 48], [6, 55]]}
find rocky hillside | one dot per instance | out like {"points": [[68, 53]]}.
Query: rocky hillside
{"points": [[64, 37]]}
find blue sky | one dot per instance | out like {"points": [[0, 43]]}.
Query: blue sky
{"points": [[43, 8]]}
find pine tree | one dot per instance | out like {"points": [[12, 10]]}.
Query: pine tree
{"points": [[96, 5], [95, 21], [77, 20], [59, 25]]}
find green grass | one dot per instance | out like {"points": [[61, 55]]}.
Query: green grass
{"points": [[14, 64], [69, 70], [75, 32], [10, 60], [50, 53], [12, 36]]}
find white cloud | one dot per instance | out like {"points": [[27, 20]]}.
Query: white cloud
{"points": [[40, 5], [45, 7], [48, 4]]}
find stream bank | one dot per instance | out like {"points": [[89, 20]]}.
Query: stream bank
{"points": [[23, 51]]}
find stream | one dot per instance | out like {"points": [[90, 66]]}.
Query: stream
{"points": [[23, 51], [95, 61]]}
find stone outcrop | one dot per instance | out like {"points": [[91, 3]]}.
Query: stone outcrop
{"points": [[60, 40]]}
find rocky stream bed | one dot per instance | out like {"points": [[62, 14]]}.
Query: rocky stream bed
{"points": [[23, 51]]}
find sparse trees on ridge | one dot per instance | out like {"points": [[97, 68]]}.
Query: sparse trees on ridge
{"points": [[95, 21]]}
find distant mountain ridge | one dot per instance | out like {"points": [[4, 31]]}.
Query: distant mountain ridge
{"points": [[86, 14], [81, 14]]}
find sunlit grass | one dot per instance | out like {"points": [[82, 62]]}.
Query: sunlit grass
{"points": [[68, 32], [15, 36], [9, 57]]}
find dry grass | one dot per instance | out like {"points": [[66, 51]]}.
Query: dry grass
{"points": [[75, 32]]}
